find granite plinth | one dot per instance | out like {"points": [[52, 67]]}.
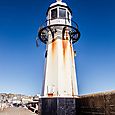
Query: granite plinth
{"points": [[58, 106]]}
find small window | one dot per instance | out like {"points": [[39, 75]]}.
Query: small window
{"points": [[62, 13], [68, 16], [54, 13]]}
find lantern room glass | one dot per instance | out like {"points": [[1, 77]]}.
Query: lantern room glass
{"points": [[62, 13], [54, 13]]}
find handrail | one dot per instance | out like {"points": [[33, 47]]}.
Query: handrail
{"points": [[74, 34]]}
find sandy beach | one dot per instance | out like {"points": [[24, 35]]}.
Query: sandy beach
{"points": [[16, 111]]}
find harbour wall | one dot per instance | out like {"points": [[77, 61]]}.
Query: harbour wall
{"points": [[96, 104]]}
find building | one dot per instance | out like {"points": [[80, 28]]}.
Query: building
{"points": [[59, 33]]}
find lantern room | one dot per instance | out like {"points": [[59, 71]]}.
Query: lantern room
{"points": [[59, 13]]}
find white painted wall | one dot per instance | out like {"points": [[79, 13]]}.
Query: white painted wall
{"points": [[60, 74]]}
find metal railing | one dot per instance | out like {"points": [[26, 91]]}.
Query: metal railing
{"points": [[48, 26]]}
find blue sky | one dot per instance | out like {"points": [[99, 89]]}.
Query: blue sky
{"points": [[22, 64]]}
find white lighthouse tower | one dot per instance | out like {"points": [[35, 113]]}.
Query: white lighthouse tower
{"points": [[59, 33]]}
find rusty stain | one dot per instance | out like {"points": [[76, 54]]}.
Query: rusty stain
{"points": [[64, 46], [53, 47], [50, 94], [67, 35]]}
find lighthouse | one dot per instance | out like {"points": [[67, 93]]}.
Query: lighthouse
{"points": [[59, 33]]}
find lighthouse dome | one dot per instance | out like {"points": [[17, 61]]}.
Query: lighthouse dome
{"points": [[59, 2]]}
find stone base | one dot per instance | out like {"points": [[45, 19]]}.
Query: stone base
{"points": [[58, 106]]}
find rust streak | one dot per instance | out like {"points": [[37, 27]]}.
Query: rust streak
{"points": [[64, 46], [53, 47]]}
